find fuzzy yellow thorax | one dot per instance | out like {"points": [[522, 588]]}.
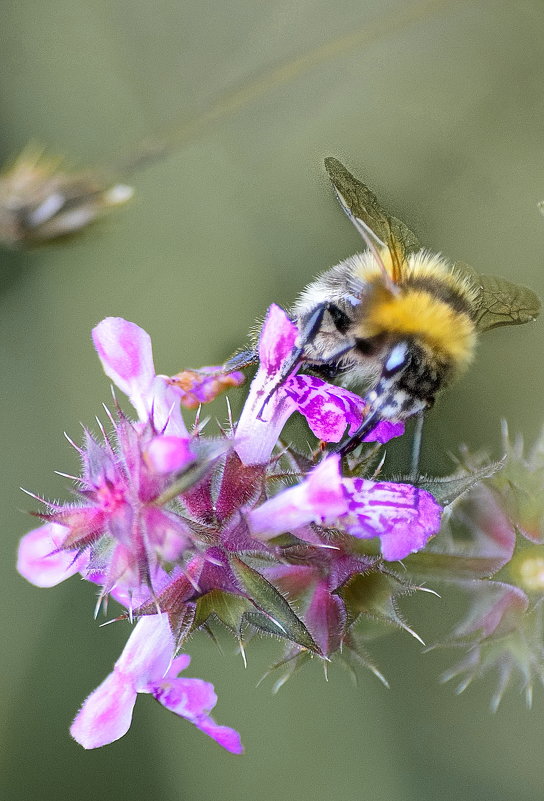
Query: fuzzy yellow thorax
{"points": [[417, 313]]}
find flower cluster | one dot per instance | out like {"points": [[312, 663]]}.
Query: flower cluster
{"points": [[184, 529], [492, 549]]}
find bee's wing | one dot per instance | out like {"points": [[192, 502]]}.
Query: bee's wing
{"points": [[363, 209], [499, 302]]}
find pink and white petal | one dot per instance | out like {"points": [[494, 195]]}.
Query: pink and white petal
{"points": [[320, 498], [106, 714], [148, 653], [278, 337], [161, 404], [259, 427], [39, 561], [255, 437], [168, 454], [126, 355], [227, 738]]}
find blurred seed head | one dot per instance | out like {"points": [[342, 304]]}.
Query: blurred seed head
{"points": [[39, 201]]}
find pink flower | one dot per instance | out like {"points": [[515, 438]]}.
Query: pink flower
{"points": [[402, 516], [328, 409], [118, 530], [146, 665]]}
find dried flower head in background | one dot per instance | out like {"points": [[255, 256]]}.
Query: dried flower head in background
{"points": [[40, 201]]}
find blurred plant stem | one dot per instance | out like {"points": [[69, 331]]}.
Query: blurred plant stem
{"points": [[227, 104]]}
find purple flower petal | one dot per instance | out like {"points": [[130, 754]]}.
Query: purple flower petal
{"points": [[127, 358], [39, 560], [146, 666], [258, 428], [327, 408], [404, 517], [385, 431], [188, 698], [226, 737], [178, 664]]}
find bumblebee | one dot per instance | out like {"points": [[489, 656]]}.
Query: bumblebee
{"points": [[397, 321]]}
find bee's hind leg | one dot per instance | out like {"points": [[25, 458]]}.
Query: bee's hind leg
{"points": [[417, 438]]}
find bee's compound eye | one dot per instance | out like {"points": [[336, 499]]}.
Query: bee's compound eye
{"points": [[398, 357], [366, 347], [369, 346]]}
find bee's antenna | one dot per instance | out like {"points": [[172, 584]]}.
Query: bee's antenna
{"points": [[371, 239]]}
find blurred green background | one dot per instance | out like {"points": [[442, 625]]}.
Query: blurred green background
{"points": [[440, 107]]}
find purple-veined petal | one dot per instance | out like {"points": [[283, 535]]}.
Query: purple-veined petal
{"points": [[320, 498], [106, 714], [39, 560], [328, 409], [188, 698], [127, 357], [404, 517], [168, 454], [193, 699], [384, 431]]}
